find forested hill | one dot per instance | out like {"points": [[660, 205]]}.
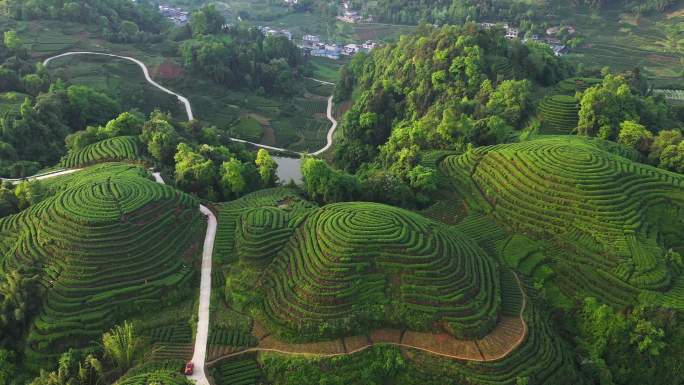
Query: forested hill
{"points": [[118, 20], [441, 88]]}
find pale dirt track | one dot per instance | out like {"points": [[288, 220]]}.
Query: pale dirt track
{"points": [[42, 176], [506, 337], [188, 106]]}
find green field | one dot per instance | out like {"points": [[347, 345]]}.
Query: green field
{"points": [[326, 69], [248, 128], [122, 80], [244, 371], [622, 42], [560, 114]]}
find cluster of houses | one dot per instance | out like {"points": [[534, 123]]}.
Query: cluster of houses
{"points": [[348, 15], [550, 39], [176, 15], [312, 45], [268, 31]]}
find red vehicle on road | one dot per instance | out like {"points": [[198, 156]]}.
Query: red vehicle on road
{"points": [[189, 368]]}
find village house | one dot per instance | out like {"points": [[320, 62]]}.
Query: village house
{"points": [[369, 45], [350, 49], [268, 31], [553, 31], [310, 40], [176, 15], [512, 33], [349, 17]]}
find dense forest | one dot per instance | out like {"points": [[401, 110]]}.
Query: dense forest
{"points": [[445, 88], [237, 56], [118, 20], [453, 87]]}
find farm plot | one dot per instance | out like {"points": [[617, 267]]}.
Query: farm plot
{"points": [[571, 86], [163, 373], [674, 95], [543, 356], [108, 245], [301, 134], [594, 205], [243, 371], [120, 79]]}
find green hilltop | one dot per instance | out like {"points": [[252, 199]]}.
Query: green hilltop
{"points": [[108, 243], [610, 225]]}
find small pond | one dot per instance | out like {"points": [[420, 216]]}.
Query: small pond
{"points": [[289, 169]]}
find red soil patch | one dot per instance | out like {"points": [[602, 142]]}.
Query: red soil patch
{"points": [[662, 59], [168, 70]]}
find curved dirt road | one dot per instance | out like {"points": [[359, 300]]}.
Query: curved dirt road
{"points": [[188, 107]]}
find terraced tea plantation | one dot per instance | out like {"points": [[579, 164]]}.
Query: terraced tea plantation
{"points": [[283, 199], [560, 114], [164, 373], [120, 148], [571, 86], [237, 372], [349, 265], [609, 220], [107, 245]]}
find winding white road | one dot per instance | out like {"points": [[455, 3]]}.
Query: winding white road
{"points": [[188, 106], [202, 336], [146, 72], [331, 131], [47, 175]]}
